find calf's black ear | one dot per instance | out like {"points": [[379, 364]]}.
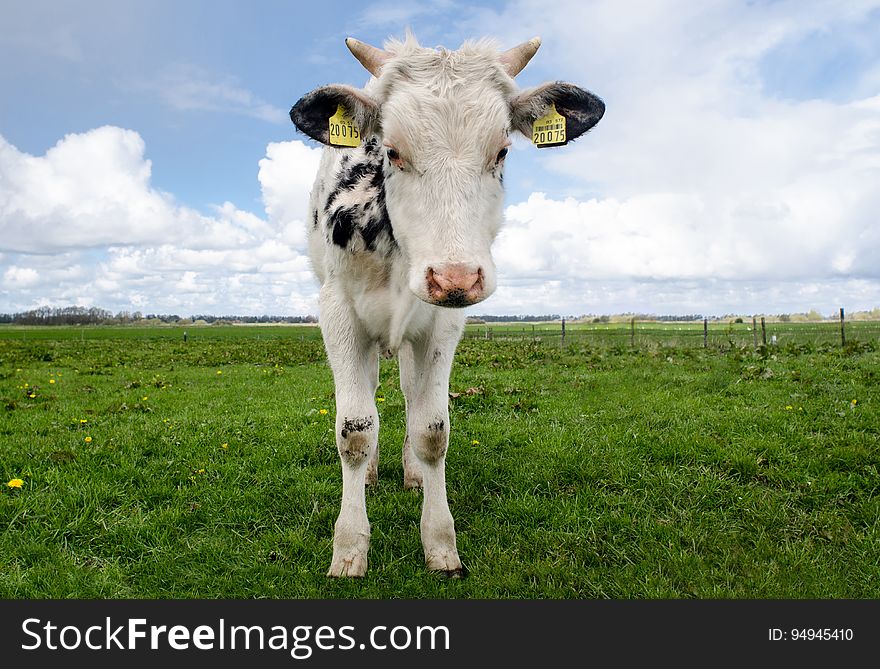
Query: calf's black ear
{"points": [[312, 112], [581, 109]]}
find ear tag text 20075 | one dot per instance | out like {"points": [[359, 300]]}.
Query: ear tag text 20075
{"points": [[549, 130], [343, 131]]}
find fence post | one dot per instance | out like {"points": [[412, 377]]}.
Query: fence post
{"points": [[632, 332], [763, 332], [842, 329], [705, 333], [563, 330], [755, 331]]}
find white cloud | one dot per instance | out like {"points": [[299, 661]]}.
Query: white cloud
{"points": [[286, 175], [83, 224]]}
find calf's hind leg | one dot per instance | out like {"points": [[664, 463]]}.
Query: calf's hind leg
{"points": [[412, 473]]}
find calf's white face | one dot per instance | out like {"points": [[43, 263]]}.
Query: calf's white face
{"points": [[443, 120], [444, 187]]}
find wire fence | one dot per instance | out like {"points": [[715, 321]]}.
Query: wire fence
{"points": [[707, 334]]}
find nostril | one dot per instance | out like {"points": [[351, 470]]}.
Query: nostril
{"points": [[478, 282], [434, 287]]}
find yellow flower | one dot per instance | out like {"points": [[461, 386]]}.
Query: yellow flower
{"points": [[323, 412], [144, 398], [51, 380], [82, 421], [475, 443], [88, 440], [32, 395], [224, 445], [201, 471], [15, 483], [788, 407], [219, 371], [854, 402], [380, 399]]}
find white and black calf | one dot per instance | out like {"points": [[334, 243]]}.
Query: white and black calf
{"points": [[400, 233]]}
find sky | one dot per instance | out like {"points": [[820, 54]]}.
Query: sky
{"points": [[147, 162]]}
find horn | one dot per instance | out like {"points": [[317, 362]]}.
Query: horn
{"points": [[515, 59], [369, 56]]}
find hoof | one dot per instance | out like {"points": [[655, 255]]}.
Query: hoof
{"points": [[446, 563], [461, 572], [349, 566]]}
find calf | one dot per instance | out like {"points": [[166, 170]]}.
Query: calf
{"points": [[406, 205]]}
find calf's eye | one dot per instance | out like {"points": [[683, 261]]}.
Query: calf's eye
{"points": [[501, 155]]}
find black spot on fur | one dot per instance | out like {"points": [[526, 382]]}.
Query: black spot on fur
{"points": [[350, 425], [315, 223], [358, 171], [369, 218], [343, 223], [348, 179], [437, 355], [436, 426]]}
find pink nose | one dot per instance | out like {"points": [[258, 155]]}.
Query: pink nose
{"points": [[455, 285]]}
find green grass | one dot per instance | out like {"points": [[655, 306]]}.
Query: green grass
{"points": [[600, 471]]}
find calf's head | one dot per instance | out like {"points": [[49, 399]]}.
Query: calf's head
{"points": [[443, 120]]}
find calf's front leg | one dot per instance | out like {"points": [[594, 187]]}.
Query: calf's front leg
{"points": [[354, 359], [428, 434]]}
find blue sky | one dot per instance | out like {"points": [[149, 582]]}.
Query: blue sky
{"points": [[147, 162]]}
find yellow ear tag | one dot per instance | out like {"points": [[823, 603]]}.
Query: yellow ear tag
{"points": [[343, 131], [549, 130]]}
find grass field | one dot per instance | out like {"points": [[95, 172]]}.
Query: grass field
{"points": [[156, 468]]}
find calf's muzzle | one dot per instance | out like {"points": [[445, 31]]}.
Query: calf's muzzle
{"points": [[455, 284]]}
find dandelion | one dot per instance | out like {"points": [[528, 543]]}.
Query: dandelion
{"points": [[854, 402], [475, 443], [201, 471], [380, 399], [323, 412], [15, 483], [788, 407], [83, 421], [88, 440], [224, 446], [219, 371], [51, 380], [32, 395], [144, 398]]}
